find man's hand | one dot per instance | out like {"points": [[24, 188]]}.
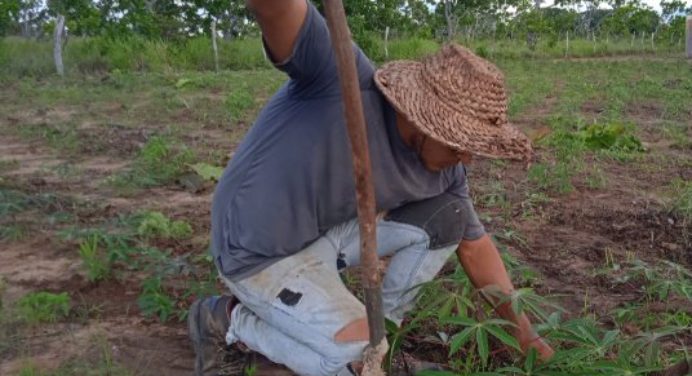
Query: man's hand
{"points": [[531, 340], [483, 264]]}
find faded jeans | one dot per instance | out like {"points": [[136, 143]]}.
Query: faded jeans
{"points": [[291, 311]]}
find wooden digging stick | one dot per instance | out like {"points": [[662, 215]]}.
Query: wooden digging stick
{"points": [[365, 194]]}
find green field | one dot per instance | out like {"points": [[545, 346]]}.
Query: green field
{"points": [[106, 177]]}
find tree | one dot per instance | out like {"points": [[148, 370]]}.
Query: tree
{"points": [[24, 17], [82, 17]]}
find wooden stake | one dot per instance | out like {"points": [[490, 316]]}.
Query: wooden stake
{"points": [[365, 193], [57, 45]]}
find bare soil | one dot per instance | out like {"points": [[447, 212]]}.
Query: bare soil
{"points": [[565, 239]]}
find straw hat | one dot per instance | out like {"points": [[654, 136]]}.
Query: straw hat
{"points": [[456, 98]]}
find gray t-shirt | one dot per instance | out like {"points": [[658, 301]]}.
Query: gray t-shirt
{"points": [[291, 178]]}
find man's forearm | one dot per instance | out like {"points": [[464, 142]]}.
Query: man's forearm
{"points": [[483, 264]]}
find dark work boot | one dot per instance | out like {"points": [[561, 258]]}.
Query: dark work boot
{"points": [[208, 321]]}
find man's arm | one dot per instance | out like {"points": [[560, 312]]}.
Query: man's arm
{"points": [[483, 265], [280, 22]]}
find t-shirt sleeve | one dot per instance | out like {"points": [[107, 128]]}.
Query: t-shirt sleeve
{"points": [[312, 63], [459, 187]]}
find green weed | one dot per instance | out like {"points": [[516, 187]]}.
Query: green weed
{"points": [[95, 262], [610, 136], [207, 171], [3, 287], [98, 362], [661, 280], [58, 136], [494, 195], [156, 224], [533, 203], [158, 162], [30, 369], [42, 306], [596, 178], [153, 301], [13, 232], [682, 197], [556, 178], [238, 102], [8, 165]]}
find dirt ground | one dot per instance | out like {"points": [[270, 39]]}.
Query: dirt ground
{"points": [[566, 239]]}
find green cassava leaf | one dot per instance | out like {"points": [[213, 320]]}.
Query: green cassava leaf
{"points": [[482, 342], [503, 336], [460, 339]]}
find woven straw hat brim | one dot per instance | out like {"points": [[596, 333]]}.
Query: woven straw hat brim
{"points": [[446, 118]]}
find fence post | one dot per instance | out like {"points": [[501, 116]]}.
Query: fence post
{"points": [[652, 43], [386, 40], [567, 44], [214, 46], [57, 46], [689, 37]]}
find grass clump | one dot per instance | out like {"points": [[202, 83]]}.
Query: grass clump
{"points": [[158, 162], [239, 101], [556, 178], [682, 197], [156, 225], [37, 307], [412, 48]]}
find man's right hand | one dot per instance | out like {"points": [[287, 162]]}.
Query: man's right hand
{"points": [[544, 351], [280, 21]]}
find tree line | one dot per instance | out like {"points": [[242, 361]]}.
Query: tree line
{"points": [[471, 19]]}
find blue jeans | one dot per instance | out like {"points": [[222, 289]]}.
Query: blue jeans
{"points": [[291, 311]]}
